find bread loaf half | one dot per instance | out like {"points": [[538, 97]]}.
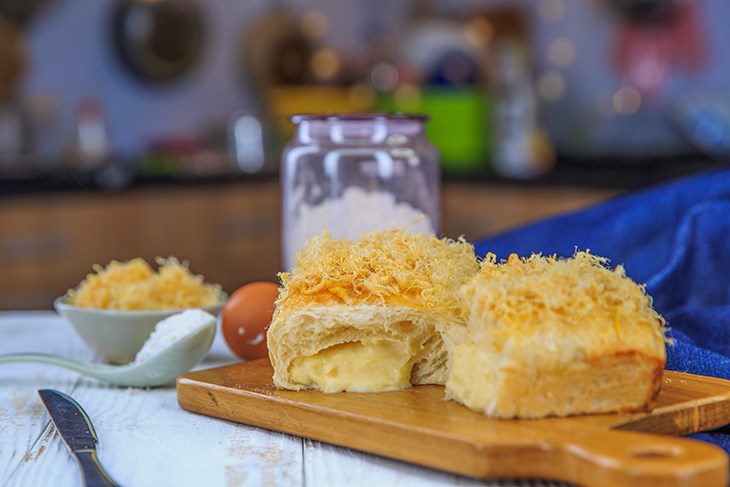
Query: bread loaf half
{"points": [[369, 315], [549, 336]]}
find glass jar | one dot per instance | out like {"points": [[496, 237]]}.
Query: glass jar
{"points": [[352, 174]]}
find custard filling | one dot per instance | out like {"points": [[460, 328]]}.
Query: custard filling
{"points": [[376, 365]]}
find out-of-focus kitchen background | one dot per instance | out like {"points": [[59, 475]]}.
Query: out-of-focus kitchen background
{"points": [[155, 127]]}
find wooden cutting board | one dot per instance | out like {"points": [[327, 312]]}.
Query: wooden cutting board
{"points": [[417, 425]]}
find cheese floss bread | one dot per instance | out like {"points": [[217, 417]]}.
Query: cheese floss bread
{"points": [[370, 315], [556, 337]]}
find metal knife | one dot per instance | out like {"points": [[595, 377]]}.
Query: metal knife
{"points": [[78, 433]]}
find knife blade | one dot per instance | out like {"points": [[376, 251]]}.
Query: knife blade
{"points": [[78, 433]]}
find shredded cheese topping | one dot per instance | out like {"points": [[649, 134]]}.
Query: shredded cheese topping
{"points": [[134, 285], [537, 294], [390, 267]]}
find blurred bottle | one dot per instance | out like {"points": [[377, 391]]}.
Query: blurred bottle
{"points": [[246, 142], [92, 144], [523, 149]]}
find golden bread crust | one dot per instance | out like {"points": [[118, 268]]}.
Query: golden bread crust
{"points": [[550, 336]]}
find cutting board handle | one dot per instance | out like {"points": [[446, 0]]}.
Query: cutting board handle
{"points": [[600, 457]]}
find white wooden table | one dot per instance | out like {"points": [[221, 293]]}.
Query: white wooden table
{"points": [[145, 439]]}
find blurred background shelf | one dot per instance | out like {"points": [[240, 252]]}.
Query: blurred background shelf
{"points": [[511, 87], [159, 130], [595, 173], [229, 232]]}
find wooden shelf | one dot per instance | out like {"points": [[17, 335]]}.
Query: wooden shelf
{"points": [[229, 233]]}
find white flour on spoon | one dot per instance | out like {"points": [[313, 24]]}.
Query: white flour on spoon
{"points": [[171, 330]]}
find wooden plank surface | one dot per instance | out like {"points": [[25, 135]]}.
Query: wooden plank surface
{"points": [[147, 440], [416, 425]]}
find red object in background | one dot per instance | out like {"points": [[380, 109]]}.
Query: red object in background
{"points": [[179, 145], [245, 317], [648, 51]]}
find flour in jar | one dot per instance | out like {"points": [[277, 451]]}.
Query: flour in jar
{"points": [[355, 212]]}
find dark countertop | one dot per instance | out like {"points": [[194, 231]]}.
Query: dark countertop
{"points": [[612, 174]]}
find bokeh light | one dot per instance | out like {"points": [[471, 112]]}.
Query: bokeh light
{"points": [[384, 76], [627, 100], [479, 32], [551, 86], [325, 64], [315, 24], [604, 104], [561, 52]]}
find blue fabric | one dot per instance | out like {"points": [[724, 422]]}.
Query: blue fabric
{"points": [[676, 239]]}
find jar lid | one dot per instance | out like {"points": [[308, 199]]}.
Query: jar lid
{"points": [[359, 117]]}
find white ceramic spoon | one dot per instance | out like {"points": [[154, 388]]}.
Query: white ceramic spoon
{"points": [[180, 356]]}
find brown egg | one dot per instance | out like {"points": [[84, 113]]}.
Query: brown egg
{"points": [[245, 317]]}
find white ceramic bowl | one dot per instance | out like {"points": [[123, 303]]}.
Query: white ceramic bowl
{"points": [[117, 335]]}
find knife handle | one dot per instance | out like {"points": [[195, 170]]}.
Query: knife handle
{"points": [[94, 473]]}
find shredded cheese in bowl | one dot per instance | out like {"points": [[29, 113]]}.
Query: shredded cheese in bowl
{"points": [[134, 285]]}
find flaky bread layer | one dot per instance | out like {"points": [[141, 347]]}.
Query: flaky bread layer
{"points": [[515, 386], [312, 329]]}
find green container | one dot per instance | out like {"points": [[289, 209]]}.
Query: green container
{"points": [[461, 124]]}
